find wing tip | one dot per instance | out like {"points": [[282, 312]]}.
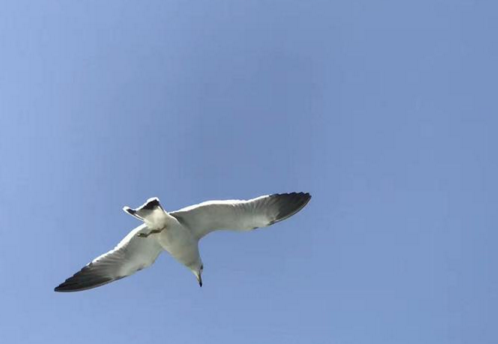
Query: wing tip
{"points": [[144, 209], [62, 288], [129, 210], [301, 196], [151, 204], [292, 203], [67, 286], [83, 280]]}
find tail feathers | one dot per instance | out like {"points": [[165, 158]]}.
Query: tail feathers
{"points": [[151, 212]]}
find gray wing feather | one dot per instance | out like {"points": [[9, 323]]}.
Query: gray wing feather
{"points": [[241, 215], [132, 254]]}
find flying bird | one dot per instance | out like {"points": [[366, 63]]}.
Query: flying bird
{"points": [[179, 233]]}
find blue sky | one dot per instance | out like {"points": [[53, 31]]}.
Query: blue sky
{"points": [[385, 111]]}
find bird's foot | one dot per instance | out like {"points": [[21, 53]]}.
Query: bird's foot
{"points": [[154, 231]]}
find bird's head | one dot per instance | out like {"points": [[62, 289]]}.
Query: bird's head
{"points": [[197, 271]]}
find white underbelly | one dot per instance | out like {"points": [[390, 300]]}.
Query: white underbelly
{"points": [[180, 243]]}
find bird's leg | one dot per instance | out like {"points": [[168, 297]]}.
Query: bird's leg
{"points": [[154, 231]]}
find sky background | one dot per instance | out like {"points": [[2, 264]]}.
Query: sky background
{"points": [[385, 111]]}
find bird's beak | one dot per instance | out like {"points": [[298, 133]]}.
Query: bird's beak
{"points": [[199, 279]]}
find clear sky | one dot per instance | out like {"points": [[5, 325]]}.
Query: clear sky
{"points": [[385, 111]]}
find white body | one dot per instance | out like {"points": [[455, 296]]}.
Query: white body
{"points": [[180, 242]]}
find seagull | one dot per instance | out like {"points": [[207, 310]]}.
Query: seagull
{"points": [[179, 233]]}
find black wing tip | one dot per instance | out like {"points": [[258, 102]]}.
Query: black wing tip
{"points": [[290, 204], [83, 280], [305, 196], [130, 211], [65, 287], [68, 287], [151, 204], [62, 288]]}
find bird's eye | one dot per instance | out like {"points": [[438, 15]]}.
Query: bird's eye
{"points": [[202, 267]]}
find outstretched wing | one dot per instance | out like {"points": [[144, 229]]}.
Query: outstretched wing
{"points": [[263, 211], [132, 254]]}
